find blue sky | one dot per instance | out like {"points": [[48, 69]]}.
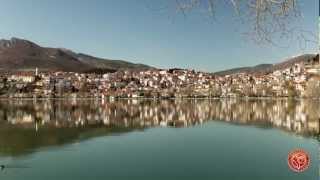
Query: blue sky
{"points": [[137, 31]]}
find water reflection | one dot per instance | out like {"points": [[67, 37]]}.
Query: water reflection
{"points": [[27, 125]]}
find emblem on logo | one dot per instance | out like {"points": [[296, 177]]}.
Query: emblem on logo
{"points": [[298, 160]]}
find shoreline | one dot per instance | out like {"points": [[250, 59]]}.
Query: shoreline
{"points": [[173, 98]]}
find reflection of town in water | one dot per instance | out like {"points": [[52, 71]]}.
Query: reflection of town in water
{"points": [[27, 125], [301, 117]]}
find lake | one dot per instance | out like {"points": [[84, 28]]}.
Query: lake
{"points": [[223, 139]]}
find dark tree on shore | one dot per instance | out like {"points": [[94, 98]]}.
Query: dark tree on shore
{"points": [[313, 88]]}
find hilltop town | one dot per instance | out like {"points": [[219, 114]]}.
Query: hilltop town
{"points": [[299, 80]]}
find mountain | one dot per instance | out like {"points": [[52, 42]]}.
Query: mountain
{"points": [[249, 70], [267, 68], [21, 55], [100, 63]]}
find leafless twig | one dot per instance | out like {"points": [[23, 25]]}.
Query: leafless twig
{"points": [[268, 19]]}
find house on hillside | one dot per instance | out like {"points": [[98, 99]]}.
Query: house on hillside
{"points": [[23, 77]]}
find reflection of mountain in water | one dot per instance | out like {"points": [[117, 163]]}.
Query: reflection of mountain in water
{"points": [[59, 122]]}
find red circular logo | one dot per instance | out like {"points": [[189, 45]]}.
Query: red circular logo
{"points": [[298, 160]]}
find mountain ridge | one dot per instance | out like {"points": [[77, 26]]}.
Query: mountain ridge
{"points": [[268, 68], [20, 55]]}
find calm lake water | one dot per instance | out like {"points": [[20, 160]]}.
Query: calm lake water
{"points": [[150, 139]]}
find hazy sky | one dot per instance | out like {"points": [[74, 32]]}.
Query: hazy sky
{"points": [[138, 31]]}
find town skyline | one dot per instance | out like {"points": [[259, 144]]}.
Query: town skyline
{"points": [[297, 79]]}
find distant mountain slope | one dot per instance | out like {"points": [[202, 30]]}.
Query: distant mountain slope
{"points": [[249, 70], [267, 68], [107, 63], [19, 55]]}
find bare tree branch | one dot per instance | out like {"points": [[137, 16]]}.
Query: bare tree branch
{"points": [[268, 19]]}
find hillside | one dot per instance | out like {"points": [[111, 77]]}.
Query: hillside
{"points": [[20, 55], [267, 68]]}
